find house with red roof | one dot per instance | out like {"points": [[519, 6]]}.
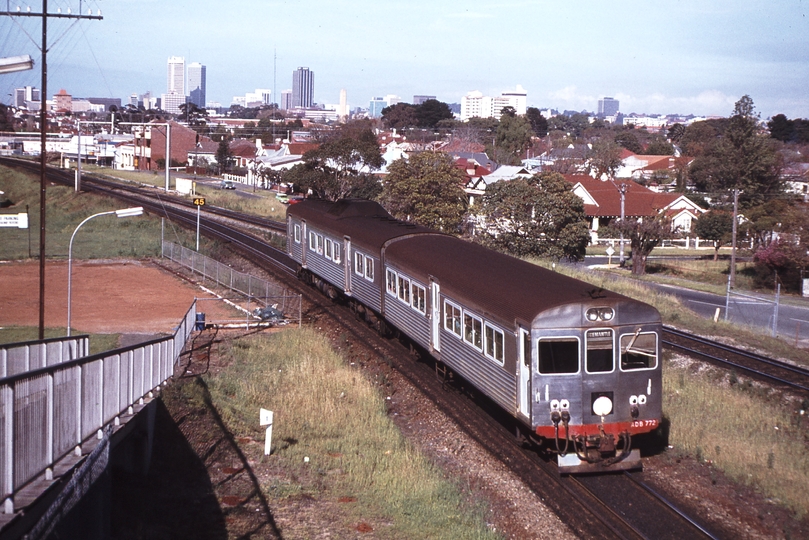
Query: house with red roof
{"points": [[602, 203]]}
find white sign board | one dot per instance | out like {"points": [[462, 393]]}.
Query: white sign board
{"points": [[265, 419], [185, 185], [19, 221]]}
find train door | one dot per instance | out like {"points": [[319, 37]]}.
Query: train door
{"points": [[435, 316], [347, 263], [524, 393], [304, 242]]}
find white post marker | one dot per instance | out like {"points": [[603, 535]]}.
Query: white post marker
{"points": [[265, 419]]}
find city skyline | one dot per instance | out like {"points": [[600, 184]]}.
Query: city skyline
{"points": [[684, 57]]}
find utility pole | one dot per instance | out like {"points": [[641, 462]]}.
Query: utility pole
{"points": [[43, 125], [733, 245]]}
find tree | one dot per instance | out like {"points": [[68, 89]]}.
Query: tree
{"points": [[426, 189], [716, 226], [676, 132], [537, 216], [604, 159], [781, 128], [6, 118], [223, 155], [659, 147], [340, 166], [643, 238], [629, 140], [538, 122], [400, 116], [741, 158], [512, 139], [192, 114], [431, 112]]}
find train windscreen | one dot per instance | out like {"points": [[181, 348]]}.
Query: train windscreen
{"points": [[639, 350], [599, 351], [558, 356]]}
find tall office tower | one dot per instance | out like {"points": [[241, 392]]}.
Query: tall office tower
{"points": [[286, 100], [303, 87], [196, 84], [27, 94], [607, 107], [176, 75]]}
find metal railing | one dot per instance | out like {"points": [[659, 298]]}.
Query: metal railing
{"points": [[30, 355], [49, 412]]}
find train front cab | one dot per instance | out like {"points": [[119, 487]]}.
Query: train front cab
{"points": [[596, 382]]}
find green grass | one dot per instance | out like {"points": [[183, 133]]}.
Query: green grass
{"points": [[104, 237], [328, 412], [742, 430], [98, 342]]}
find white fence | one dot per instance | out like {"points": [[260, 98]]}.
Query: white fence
{"points": [[30, 355], [47, 413]]}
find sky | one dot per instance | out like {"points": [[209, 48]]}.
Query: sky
{"points": [[663, 57]]}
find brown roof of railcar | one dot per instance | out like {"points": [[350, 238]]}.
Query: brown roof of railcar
{"points": [[366, 222], [496, 283]]}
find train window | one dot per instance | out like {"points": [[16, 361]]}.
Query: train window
{"points": [[390, 278], [359, 263], [404, 290], [558, 356], [599, 351], [452, 318], [320, 244], [494, 343], [297, 234], [369, 268], [419, 299], [472, 327], [329, 248], [312, 241], [639, 350], [336, 255]]}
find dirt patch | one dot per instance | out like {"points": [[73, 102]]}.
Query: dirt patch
{"points": [[132, 297]]}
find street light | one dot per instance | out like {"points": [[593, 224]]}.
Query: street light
{"points": [[125, 212], [12, 64]]}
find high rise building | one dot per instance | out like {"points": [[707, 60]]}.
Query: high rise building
{"points": [[303, 87], [25, 95], [286, 100], [196, 84], [475, 104], [378, 103], [607, 107], [176, 75]]}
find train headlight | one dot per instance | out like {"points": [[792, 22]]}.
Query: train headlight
{"points": [[602, 406], [642, 399], [564, 404], [600, 314], [633, 400], [555, 405]]}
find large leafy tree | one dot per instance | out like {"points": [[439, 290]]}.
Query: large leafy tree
{"points": [[426, 189], [742, 158], [341, 166], [644, 236], [716, 226], [539, 216], [431, 112], [400, 116], [538, 122], [604, 159], [512, 139]]}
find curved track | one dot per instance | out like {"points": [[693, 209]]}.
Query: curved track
{"points": [[609, 506]]}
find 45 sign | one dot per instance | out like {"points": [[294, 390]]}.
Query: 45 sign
{"points": [[199, 201]]}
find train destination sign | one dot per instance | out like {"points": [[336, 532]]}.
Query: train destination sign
{"points": [[18, 221]]}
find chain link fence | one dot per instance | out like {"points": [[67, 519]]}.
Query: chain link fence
{"points": [[270, 298]]}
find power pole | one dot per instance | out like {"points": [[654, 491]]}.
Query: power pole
{"points": [[732, 275], [43, 125]]}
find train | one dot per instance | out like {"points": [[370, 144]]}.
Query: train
{"points": [[576, 366]]}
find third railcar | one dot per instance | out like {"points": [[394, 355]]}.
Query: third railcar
{"points": [[578, 365]]}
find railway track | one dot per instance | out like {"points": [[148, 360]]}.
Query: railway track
{"points": [[611, 506], [776, 372]]}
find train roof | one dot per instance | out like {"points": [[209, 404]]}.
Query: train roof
{"points": [[498, 283], [365, 222]]}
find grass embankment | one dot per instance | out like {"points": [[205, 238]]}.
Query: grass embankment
{"points": [[98, 342], [328, 412], [750, 432]]}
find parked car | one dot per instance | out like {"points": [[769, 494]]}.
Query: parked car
{"points": [[227, 184]]}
